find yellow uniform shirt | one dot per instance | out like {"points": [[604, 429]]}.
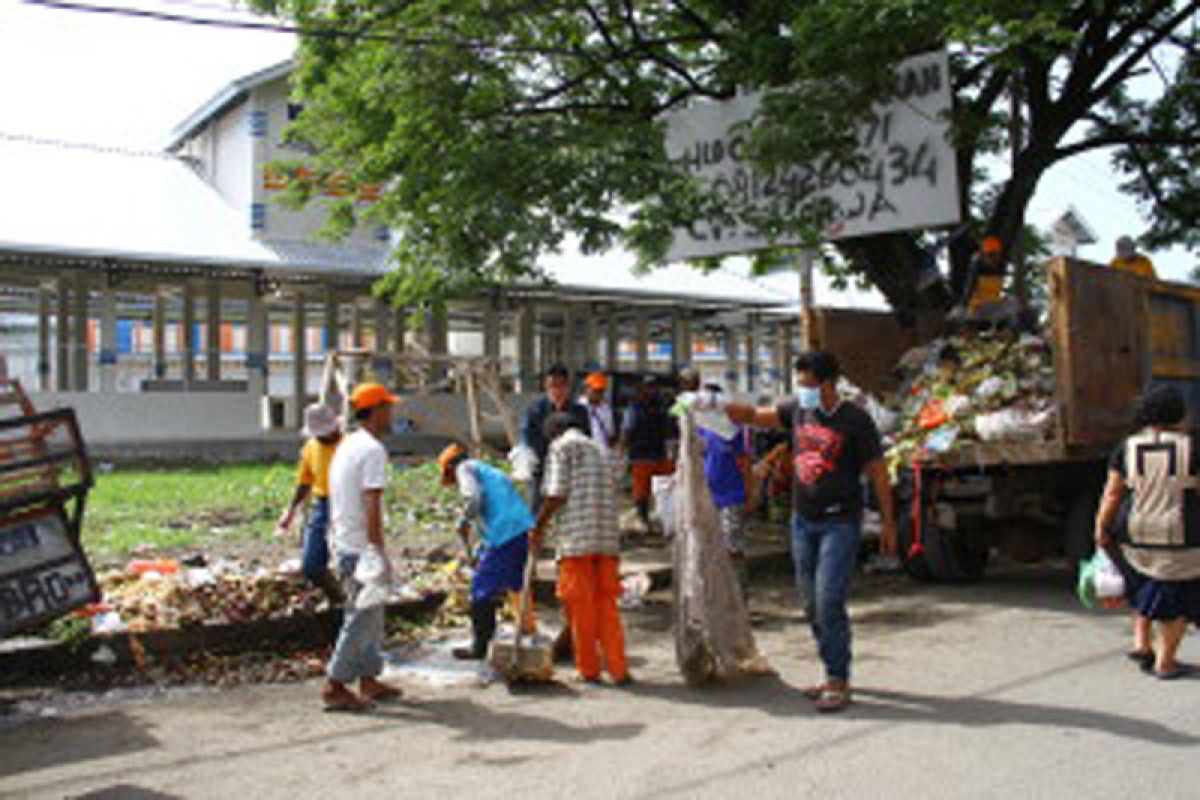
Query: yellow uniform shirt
{"points": [[315, 458], [1138, 265], [988, 289]]}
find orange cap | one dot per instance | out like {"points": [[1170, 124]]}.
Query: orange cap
{"points": [[597, 381], [991, 244], [448, 459], [369, 395]]}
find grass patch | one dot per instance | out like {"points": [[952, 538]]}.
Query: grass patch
{"points": [[172, 509], [210, 508]]}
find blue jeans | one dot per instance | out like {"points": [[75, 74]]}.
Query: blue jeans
{"points": [[359, 649], [315, 557], [824, 553]]}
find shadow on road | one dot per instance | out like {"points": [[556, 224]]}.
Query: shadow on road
{"points": [[85, 738], [123, 791], [885, 705], [767, 693]]}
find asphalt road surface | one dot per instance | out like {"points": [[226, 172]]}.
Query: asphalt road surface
{"points": [[1003, 689]]}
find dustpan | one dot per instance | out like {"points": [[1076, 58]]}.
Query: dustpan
{"points": [[516, 656]]}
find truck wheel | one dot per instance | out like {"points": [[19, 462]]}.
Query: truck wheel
{"points": [[1079, 538], [947, 556]]}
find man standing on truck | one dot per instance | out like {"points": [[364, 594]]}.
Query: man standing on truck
{"points": [[1128, 259], [834, 443]]}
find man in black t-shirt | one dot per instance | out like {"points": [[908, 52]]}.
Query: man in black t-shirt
{"points": [[834, 443]]}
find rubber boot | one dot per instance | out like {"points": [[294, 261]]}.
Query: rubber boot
{"points": [[483, 628], [643, 512]]}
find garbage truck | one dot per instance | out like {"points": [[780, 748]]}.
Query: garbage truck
{"points": [[1111, 334]]}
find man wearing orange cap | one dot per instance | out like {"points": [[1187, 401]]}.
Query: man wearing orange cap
{"points": [[600, 414], [494, 508], [357, 478]]}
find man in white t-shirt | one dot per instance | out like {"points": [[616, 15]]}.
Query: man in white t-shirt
{"points": [[357, 478]]}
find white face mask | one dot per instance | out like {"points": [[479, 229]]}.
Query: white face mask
{"points": [[808, 397]]}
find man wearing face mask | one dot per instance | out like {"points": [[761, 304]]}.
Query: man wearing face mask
{"points": [[834, 443]]}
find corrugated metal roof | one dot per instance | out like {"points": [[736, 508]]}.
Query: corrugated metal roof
{"points": [[216, 105], [76, 200], [79, 201]]}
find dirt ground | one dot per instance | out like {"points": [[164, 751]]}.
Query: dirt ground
{"points": [[1003, 689]]}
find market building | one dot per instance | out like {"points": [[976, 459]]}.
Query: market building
{"points": [[167, 296]]}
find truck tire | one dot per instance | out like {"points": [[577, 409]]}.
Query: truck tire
{"points": [[947, 556], [1079, 536]]}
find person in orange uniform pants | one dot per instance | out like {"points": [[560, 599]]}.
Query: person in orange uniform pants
{"points": [[578, 490]]}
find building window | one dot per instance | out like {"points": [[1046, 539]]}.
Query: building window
{"points": [[258, 124], [294, 110]]}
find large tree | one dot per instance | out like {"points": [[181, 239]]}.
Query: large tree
{"points": [[499, 127]]}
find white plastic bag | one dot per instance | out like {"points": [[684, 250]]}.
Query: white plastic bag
{"points": [[1009, 425], [524, 462], [662, 489], [374, 574]]}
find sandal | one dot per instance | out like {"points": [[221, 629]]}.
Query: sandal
{"points": [[1143, 658], [374, 691], [832, 700], [344, 701], [1177, 671], [815, 691]]}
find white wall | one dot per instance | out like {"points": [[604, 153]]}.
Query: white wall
{"points": [[232, 170], [109, 418]]}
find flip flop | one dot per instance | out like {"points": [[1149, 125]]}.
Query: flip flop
{"points": [[814, 692], [346, 705], [833, 700], [1171, 674], [1143, 658]]}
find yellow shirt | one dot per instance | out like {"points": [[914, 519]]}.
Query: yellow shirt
{"points": [[988, 289], [1138, 265], [315, 458]]}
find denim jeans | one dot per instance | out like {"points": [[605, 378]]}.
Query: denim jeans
{"points": [[824, 553], [358, 653], [315, 557]]}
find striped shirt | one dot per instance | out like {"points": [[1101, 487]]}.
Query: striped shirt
{"points": [[578, 472]]}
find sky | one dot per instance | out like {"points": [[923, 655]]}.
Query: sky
{"points": [[126, 82]]}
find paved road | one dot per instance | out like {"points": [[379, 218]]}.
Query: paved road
{"points": [[1001, 690]]}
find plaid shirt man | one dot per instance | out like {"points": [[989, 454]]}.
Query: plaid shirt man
{"points": [[578, 472]]}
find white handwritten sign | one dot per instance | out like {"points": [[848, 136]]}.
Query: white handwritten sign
{"points": [[905, 178]]}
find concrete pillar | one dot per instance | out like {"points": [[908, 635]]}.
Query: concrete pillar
{"points": [[258, 342], [62, 335], [381, 362], [751, 354], [679, 353], [612, 344], [189, 335], [299, 361], [399, 331], [158, 334], [212, 332], [684, 358], [786, 332], [731, 360], [527, 372], [333, 332], [642, 341], [491, 330], [79, 331], [570, 342], [437, 335], [43, 327], [108, 340], [357, 326], [590, 352]]}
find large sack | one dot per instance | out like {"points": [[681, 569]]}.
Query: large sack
{"points": [[713, 640]]}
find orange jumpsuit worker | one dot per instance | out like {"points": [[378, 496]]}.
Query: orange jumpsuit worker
{"points": [[579, 490]]}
